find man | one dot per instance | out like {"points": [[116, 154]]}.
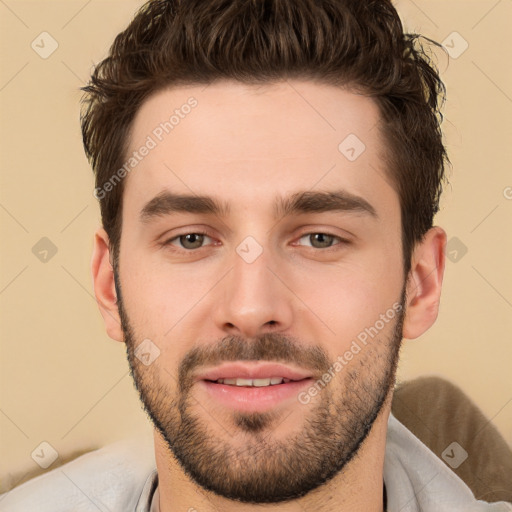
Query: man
{"points": [[268, 174]]}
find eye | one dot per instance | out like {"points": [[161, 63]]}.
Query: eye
{"points": [[188, 241], [322, 240], [195, 240]]}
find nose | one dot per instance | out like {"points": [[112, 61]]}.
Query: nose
{"points": [[254, 298]]}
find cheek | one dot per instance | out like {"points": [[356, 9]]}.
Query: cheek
{"points": [[148, 294], [345, 300]]}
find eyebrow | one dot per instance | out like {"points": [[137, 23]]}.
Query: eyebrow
{"points": [[167, 203]]}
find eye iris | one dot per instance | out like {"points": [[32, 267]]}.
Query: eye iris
{"points": [[195, 239], [324, 239]]}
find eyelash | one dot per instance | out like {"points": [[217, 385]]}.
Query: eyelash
{"points": [[342, 241]]}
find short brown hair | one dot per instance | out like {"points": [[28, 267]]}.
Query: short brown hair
{"points": [[359, 44]]}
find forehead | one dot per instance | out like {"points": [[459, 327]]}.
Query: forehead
{"points": [[242, 141]]}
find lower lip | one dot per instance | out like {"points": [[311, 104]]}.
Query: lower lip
{"points": [[254, 399]]}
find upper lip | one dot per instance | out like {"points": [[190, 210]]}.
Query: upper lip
{"points": [[246, 371]]}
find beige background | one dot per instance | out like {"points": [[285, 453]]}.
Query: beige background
{"points": [[64, 381]]}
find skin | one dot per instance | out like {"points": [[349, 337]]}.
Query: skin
{"points": [[240, 145]]}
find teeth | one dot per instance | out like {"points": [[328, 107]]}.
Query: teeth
{"points": [[253, 382]]}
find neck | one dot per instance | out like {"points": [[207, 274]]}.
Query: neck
{"points": [[357, 488]]}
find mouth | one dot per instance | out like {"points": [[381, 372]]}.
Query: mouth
{"points": [[253, 386], [258, 374], [257, 383], [254, 395]]}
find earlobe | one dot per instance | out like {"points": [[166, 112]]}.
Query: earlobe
{"points": [[424, 283], [104, 285]]}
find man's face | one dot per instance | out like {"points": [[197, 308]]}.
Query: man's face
{"points": [[305, 287]]}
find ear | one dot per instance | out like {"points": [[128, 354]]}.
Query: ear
{"points": [[424, 283], [104, 286]]}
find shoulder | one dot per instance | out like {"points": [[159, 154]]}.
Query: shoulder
{"points": [[417, 480], [110, 478]]}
